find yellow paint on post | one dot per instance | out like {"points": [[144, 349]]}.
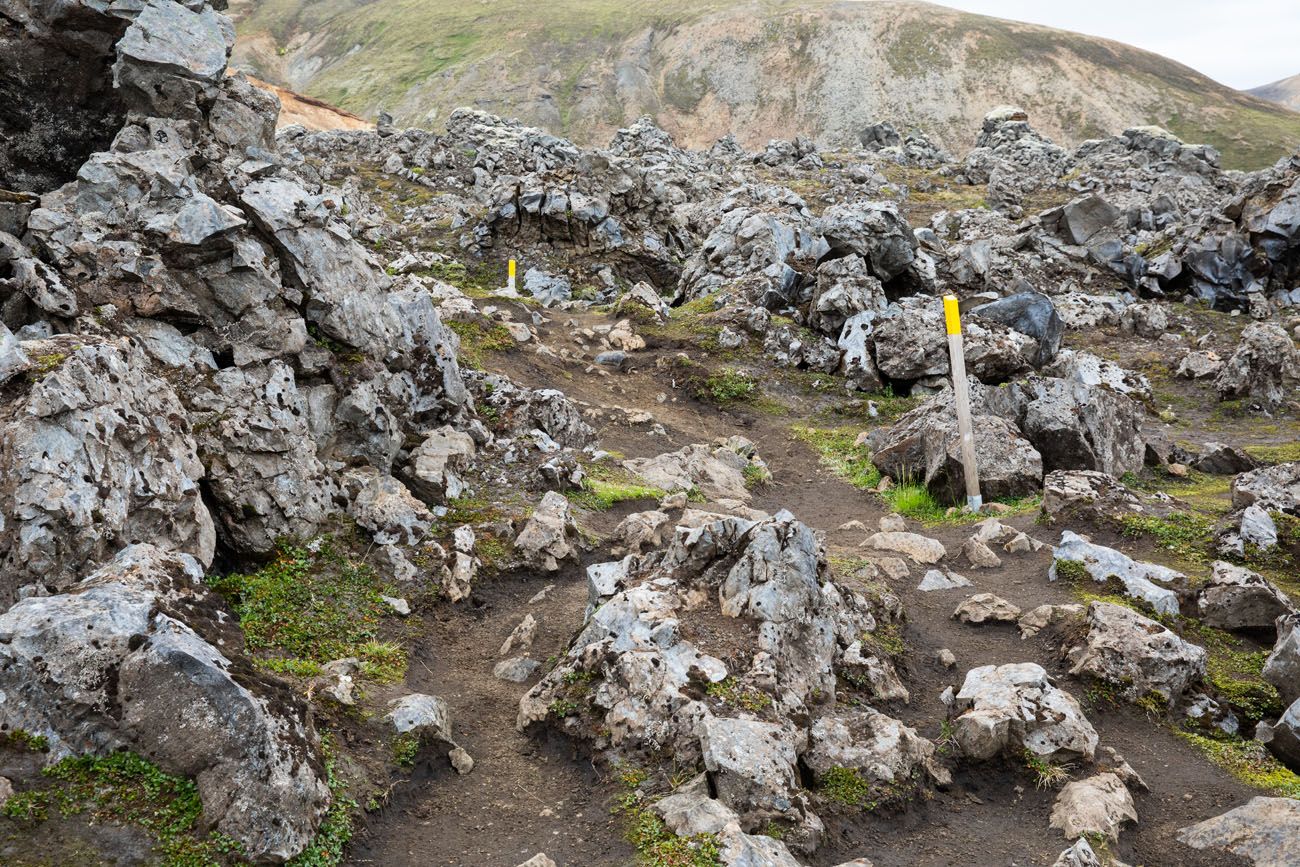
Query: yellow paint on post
{"points": [[952, 314], [512, 269]]}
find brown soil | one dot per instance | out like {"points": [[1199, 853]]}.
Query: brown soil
{"points": [[537, 793]]}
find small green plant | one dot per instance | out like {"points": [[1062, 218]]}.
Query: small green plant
{"points": [[21, 739], [562, 707], [1047, 775], [406, 747], [478, 339], [887, 640], [728, 386], [733, 692], [126, 789], [756, 476], [847, 787], [606, 486], [1072, 572], [914, 501], [307, 607], [655, 845], [840, 453]]}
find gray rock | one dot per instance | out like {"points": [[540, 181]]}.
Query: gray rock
{"points": [[383, 506], [433, 472], [517, 669], [1098, 806], [550, 536], [1264, 831], [95, 453], [921, 549], [1144, 581], [1255, 371], [936, 579], [520, 410], [718, 471], [1218, 459], [1200, 364], [986, 608], [1136, 653], [1037, 619], [1032, 314], [882, 750], [1008, 709], [429, 719], [738, 849], [691, 810], [1237, 598], [1079, 855], [751, 765], [1087, 217], [1282, 667]]}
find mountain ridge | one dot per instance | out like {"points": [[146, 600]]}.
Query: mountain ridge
{"points": [[759, 68], [1285, 91]]}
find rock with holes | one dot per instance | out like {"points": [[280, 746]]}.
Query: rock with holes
{"points": [[517, 410], [719, 472], [1237, 598], [691, 810], [96, 452], [1256, 370], [434, 470], [921, 549], [1136, 654], [1263, 831], [382, 505], [1008, 709], [889, 757], [265, 478], [111, 664], [751, 765], [1098, 806]]}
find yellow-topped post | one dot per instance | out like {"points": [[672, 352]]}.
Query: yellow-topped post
{"points": [[510, 278], [961, 399]]}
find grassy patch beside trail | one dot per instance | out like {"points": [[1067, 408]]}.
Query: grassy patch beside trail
{"points": [[839, 454], [125, 789], [607, 485], [655, 845], [1248, 761], [306, 608], [478, 339]]}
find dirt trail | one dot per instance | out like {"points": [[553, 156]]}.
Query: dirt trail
{"points": [[529, 794]]}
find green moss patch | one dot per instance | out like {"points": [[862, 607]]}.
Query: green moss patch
{"points": [[839, 453], [306, 608], [606, 486], [477, 339], [125, 789], [1248, 761]]}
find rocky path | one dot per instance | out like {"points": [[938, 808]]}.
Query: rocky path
{"points": [[530, 793]]}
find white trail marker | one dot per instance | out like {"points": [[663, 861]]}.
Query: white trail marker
{"points": [[961, 398]]}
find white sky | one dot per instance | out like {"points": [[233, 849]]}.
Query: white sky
{"points": [[1241, 43]]}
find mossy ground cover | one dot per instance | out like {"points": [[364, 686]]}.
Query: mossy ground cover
{"points": [[478, 339], [125, 789], [655, 845], [308, 607], [607, 485]]}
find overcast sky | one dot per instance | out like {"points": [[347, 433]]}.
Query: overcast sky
{"points": [[1241, 43]]}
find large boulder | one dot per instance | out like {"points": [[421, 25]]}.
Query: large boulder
{"points": [[1237, 598], [886, 754], [1263, 831], [1032, 314], [1265, 355], [1010, 709], [876, 231], [1098, 806], [1136, 654], [265, 478], [112, 664], [717, 471], [1282, 667], [924, 447], [96, 452]]}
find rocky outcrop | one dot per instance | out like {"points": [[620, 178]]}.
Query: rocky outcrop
{"points": [[1142, 581], [1263, 831]]}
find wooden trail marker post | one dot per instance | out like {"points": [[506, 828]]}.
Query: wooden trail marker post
{"points": [[510, 278], [961, 398]]}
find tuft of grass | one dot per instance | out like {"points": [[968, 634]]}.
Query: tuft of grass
{"points": [[731, 691], [1046, 774], [21, 739], [125, 789], [307, 608], [728, 386], [756, 476], [837, 451], [914, 501]]}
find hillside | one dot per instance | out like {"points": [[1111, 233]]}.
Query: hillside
{"points": [[1285, 92], [759, 68], [310, 112]]}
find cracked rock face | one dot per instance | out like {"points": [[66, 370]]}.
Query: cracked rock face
{"points": [[95, 453]]}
